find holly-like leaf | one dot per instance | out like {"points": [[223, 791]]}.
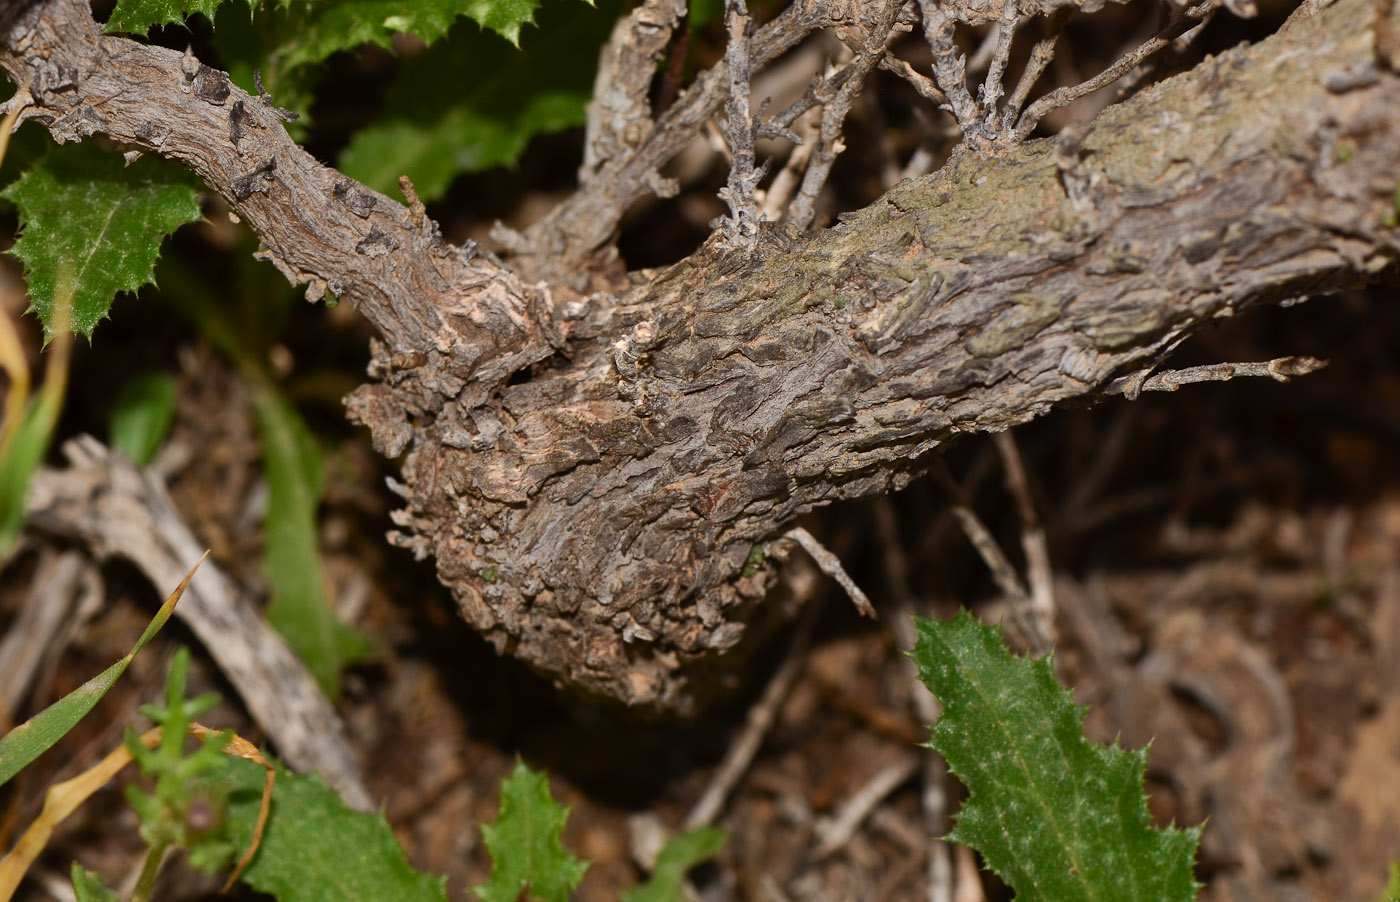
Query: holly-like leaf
{"points": [[82, 209], [140, 16], [1055, 816], [326, 28], [527, 859], [315, 848], [680, 854], [503, 98]]}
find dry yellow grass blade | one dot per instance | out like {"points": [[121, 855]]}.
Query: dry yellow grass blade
{"points": [[11, 352]]}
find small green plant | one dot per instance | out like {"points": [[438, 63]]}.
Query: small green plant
{"points": [[186, 808]]}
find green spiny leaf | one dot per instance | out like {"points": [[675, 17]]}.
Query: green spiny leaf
{"points": [[527, 859], [318, 850], [140, 16], [680, 854], [325, 28], [504, 98], [1057, 817], [80, 207]]}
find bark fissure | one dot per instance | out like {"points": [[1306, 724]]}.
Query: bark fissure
{"points": [[599, 519]]}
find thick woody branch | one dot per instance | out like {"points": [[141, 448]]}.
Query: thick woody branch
{"points": [[318, 227], [616, 504]]}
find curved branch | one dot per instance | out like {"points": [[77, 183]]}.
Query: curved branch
{"points": [[318, 226]]}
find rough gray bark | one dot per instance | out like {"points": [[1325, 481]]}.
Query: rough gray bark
{"points": [[596, 518]]}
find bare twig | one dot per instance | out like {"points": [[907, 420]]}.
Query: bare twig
{"points": [[1182, 21], [830, 564], [839, 830], [1003, 573], [1039, 574], [933, 795], [991, 89], [785, 183], [561, 244], [59, 580], [741, 227], [1280, 369], [1041, 55], [829, 144], [920, 82], [982, 57], [949, 71], [761, 717]]}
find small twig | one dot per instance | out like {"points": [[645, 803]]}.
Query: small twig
{"points": [[741, 227], [829, 144], [982, 57], [1181, 22], [949, 71], [1280, 369], [1041, 55], [761, 717], [785, 183], [1003, 574], [917, 80], [933, 795], [858, 807], [284, 115], [830, 564], [59, 580], [1039, 573], [991, 90]]}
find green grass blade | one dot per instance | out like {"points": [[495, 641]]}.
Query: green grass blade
{"points": [[32, 738], [88, 887], [300, 608], [141, 416], [1056, 817]]}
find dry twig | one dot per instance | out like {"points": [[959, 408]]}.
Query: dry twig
{"points": [[740, 228], [830, 564], [1018, 599], [1280, 369], [829, 145], [1039, 574], [839, 830], [103, 500], [760, 719]]}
